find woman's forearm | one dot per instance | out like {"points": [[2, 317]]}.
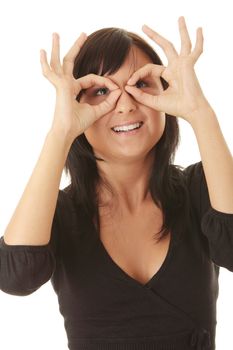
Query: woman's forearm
{"points": [[31, 221], [216, 158]]}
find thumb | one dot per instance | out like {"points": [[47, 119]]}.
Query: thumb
{"points": [[150, 69], [107, 105]]}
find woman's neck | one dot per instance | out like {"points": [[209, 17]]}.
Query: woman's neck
{"points": [[129, 182]]}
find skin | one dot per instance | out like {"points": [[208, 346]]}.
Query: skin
{"points": [[125, 157]]}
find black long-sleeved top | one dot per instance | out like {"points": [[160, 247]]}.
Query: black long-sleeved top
{"points": [[106, 309]]}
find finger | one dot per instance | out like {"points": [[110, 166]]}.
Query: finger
{"points": [[107, 105], [198, 49], [186, 44], [55, 54], [46, 70], [166, 45], [144, 98], [68, 60], [150, 69], [90, 80]]}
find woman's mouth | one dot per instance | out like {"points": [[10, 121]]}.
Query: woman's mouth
{"points": [[131, 129]]}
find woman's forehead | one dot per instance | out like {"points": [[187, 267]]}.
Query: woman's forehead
{"points": [[137, 57], [133, 61]]}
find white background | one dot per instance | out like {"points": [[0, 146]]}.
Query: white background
{"points": [[26, 110]]}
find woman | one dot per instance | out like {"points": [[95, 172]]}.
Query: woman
{"points": [[133, 245]]}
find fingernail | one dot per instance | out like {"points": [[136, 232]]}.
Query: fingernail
{"points": [[145, 26]]}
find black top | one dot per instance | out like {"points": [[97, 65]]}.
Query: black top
{"points": [[103, 307]]}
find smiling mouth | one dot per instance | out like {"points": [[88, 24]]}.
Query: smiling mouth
{"points": [[127, 129]]}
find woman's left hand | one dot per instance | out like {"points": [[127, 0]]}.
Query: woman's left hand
{"points": [[184, 97]]}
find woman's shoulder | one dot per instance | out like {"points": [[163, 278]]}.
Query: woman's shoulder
{"points": [[65, 208], [65, 199], [190, 169], [193, 174], [193, 170], [69, 210]]}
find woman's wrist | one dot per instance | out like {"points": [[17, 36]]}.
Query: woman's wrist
{"points": [[62, 137]]}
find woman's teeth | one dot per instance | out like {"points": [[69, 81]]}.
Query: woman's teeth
{"points": [[126, 128]]}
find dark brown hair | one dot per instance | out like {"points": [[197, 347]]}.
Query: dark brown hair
{"points": [[103, 52]]}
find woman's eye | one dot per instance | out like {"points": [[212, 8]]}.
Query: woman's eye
{"points": [[101, 91], [140, 83]]}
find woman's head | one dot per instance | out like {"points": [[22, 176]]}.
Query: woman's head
{"points": [[117, 53]]}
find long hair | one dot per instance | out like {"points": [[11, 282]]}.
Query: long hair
{"points": [[103, 52]]}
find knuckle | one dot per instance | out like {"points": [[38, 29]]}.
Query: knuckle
{"points": [[92, 75], [149, 65], [87, 77], [93, 78], [53, 62], [67, 59]]}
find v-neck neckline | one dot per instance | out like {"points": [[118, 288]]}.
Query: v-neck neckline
{"points": [[129, 278]]}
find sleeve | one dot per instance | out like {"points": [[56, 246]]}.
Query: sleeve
{"points": [[25, 268], [216, 226]]}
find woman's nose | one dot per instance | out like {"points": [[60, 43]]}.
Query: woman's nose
{"points": [[125, 103]]}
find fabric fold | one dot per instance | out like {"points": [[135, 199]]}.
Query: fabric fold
{"points": [[218, 228], [200, 339], [23, 269]]}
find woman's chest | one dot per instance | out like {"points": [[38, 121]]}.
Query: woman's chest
{"points": [[130, 242]]}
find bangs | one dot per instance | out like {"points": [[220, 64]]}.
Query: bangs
{"points": [[103, 52]]}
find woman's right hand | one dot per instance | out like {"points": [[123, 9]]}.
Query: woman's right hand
{"points": [[72, 118]]}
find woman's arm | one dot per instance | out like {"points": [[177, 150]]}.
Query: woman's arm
{"points": [[32, 220], [216, 159], [184, 98]]}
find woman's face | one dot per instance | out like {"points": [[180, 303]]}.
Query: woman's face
{"points": [[124, 146]]}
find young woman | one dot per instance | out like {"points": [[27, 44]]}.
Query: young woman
{"points": [[134, 244]]}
